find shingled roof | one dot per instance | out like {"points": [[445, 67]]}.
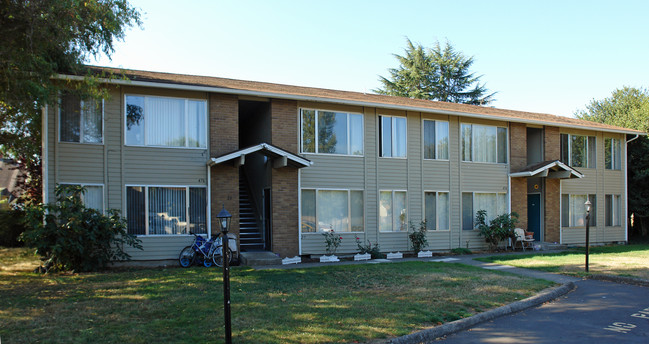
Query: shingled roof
{"points": [[271, 90]]}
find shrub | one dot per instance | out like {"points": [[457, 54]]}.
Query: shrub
{"points": [[332, 240], [11, 226], [373, 250], [499, 229], [418, 237], [461, 250], [70, 237]]}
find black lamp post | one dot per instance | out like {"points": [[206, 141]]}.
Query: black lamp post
{"points": [[587, 204], [224, 218]]}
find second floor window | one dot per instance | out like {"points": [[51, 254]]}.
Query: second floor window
{"points": [[578, 150], [328, 132], [484, 143], [612, 154], [435, 140], [392, 133], [80, 120], [166, 122]]}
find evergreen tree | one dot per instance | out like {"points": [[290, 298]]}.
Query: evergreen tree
{"points": [[440, 73]]}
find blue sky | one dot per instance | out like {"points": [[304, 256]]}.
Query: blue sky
{"points": [[540, 56]]}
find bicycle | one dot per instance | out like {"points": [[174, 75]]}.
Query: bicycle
{"points": [[203, 252]]}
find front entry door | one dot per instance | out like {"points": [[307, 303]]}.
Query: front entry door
{"points": [[534, 215]]}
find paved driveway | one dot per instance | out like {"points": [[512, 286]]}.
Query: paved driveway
{"points": [[595, 312]]}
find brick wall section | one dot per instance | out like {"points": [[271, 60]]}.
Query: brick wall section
{"points": [[284, 131], [518, 161], [224, 138], [552, 149]]}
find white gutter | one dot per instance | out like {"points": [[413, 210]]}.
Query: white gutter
{"points": [[261, 94]]}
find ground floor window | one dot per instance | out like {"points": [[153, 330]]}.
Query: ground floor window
{"points": [[493, 203], [573, 210], [93, 197], [393, 211], [332, 210], [166, 210], [613, 209], [436, 210]]}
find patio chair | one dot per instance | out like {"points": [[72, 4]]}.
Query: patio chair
{"points": [[520, 237]]}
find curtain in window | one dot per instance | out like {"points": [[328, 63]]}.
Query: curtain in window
{"points": [[308, 211], [135, 120], [577, 210], [592, 152], [442, 211], [385, 211], [467, 211], [91, 121], [488, 202], [357, 211], [400, 137], [332, 210], [467, 138], [617, 155], [196, 124], [502, 145], [70, 118], [441, 133], [356, 134], [167, 211], [94, 197], [400, 211], [386, 136], [484, 143], [166, 122], [135, 210], [198, 210]]}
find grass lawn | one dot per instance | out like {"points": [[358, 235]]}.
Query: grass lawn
{"points": [[337, 303], [628, 260]]}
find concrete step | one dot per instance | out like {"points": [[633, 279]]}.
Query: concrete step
{"points": [[259, 258]]}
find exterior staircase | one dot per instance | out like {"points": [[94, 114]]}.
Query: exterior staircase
{"points": [[250, 238]]}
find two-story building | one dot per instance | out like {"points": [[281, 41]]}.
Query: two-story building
{"points": [[290, 162]]}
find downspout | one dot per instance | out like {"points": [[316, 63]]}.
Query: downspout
{"points": [[626, 189], [45, 157]]}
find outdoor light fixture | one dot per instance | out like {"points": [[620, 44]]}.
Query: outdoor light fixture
{"points": [[588, 205], [224, 218]]}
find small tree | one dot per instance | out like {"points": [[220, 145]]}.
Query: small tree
{"points": [[71, 237], [332, 240], [418, 237], [498, 229]]}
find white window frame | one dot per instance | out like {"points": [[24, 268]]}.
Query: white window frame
{"points": [[587, 153], [146, 208], [474, 210], [103, 192], [349, 209], [615, 158], [507, 143], [392, 137], [393, 191], [186, 119], [103, 125], [423, 140], [437, 217], [316, 137]]}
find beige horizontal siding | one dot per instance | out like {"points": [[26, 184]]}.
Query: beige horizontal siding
{"points": [[392, 174], [165, 166], [483, 177], [332, 171], [160, 247]]}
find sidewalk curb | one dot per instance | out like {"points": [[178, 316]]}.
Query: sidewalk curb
{"points": [[620, 279], [429, 335]]}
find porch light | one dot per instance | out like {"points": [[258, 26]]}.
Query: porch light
{"points": [[224, 218]]}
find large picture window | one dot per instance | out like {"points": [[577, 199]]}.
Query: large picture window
{"points": [[332, 210], [436, 210], [80, 120], [393, 211], [328, 132], [612, 154], [613, 210], [166, 122], [158, 210], [392, 136], [494, 204], [578, 150], [573, 210], [483, 143], [435, 140]]}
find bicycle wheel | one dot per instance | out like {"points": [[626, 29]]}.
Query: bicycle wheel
{"points": [[217, 258], [187, 256]]}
